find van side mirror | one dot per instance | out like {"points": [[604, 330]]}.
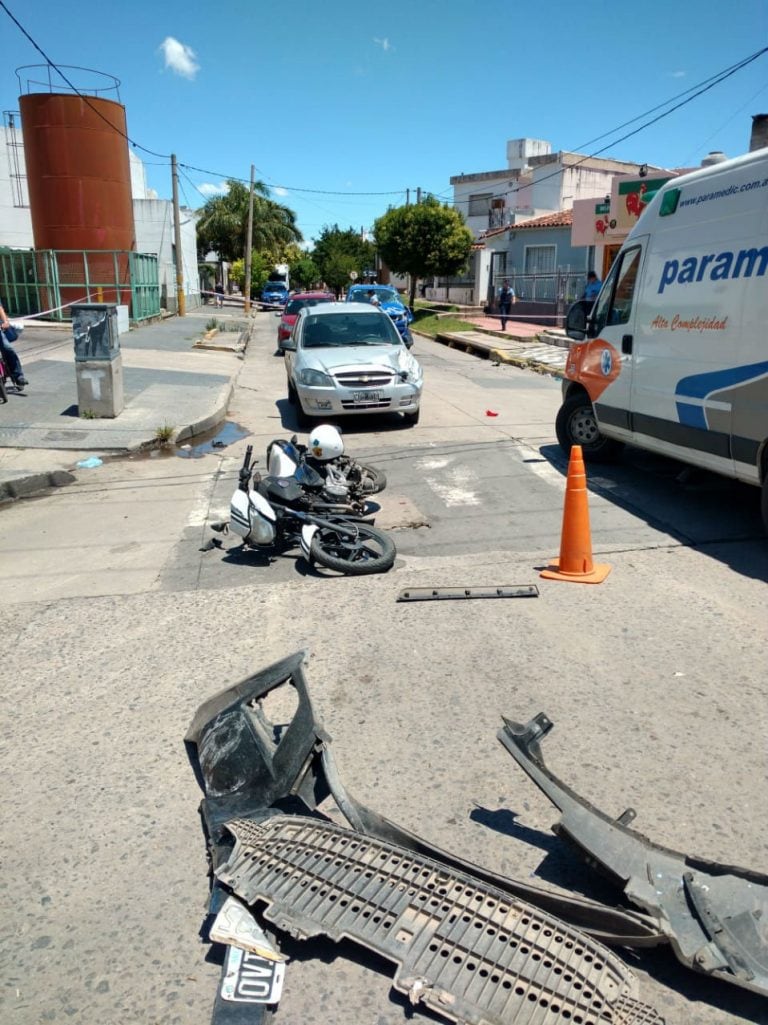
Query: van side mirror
{"points": [[290, 343], [577, 319]]}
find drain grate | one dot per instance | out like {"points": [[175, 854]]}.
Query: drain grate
{"points": [[463, 948]]}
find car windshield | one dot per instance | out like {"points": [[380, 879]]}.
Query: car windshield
{"points": [[337, 329], [384, 295], [275, 286], [298, 304]]}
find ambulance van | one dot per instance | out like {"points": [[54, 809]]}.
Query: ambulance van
{"points": [[673, 356]]}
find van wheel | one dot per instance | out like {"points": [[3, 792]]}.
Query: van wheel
{"points": [[576, 424]]}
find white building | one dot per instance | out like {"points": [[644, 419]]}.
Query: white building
{"points": [[534, 182], [153, 217]]}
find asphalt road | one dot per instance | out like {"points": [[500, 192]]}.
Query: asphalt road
{"points": [[119, 626]]}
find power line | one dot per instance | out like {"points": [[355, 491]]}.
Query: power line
{"points": [[702, 87], [288, 188], [74, 88]]}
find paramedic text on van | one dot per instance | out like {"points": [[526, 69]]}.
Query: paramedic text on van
{"points": [[726, 265]]}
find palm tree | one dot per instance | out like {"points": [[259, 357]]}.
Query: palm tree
{"points": [[223, 223]]}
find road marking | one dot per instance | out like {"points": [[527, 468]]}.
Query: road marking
{"points": [[201, 511], [455, 488]]}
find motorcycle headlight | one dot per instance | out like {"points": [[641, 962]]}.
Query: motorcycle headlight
{"points": [[315, 379]]}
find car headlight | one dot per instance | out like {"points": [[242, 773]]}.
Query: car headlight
{"points": [[315, 379]]}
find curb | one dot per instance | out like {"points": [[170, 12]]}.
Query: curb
{"points": [[21, 487], [526, 364], [475, 348], [210, 421]]}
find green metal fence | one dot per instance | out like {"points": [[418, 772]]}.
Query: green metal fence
{"points": [[48, 281]]}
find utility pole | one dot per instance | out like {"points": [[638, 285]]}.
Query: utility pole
{"points": [[181, 302], [248, 247], [407, 197], [418, 195]]}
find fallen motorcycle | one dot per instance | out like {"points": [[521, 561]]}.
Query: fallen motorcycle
{"points": [[277, 513], [344, 478]]}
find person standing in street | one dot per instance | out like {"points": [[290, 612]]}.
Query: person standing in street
{"points": [[506, 298], [9, 354], [219, 290]]}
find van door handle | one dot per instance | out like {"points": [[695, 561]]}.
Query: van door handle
{"points": [[626, 343]]}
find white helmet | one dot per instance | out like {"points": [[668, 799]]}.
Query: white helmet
{"points": [[325, 442]]}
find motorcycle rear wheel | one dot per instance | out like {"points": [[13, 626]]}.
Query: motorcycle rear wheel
{"points": [[369, 551], [3, 392]]}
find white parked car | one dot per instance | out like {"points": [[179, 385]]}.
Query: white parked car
{"points": [[348, 358]]}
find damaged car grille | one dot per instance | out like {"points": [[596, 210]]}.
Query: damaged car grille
{"points": [[364, 378], [463, 948]]}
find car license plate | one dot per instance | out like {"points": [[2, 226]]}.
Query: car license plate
{"points": [[366, 396], [251, 979]]}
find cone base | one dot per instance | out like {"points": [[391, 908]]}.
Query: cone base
{"points": [[597, 575]]}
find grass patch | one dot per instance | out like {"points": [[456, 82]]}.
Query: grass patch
{"points": [[164, 433], [88, 414], [428, 323]]}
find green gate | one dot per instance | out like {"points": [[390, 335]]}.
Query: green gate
{"points": [[48, 282]]}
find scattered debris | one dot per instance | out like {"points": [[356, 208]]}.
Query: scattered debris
{"points": [[490, 412], [91, 463], [463, 948], [443, 593], [714, 915], [235, 925], [252, 769]]}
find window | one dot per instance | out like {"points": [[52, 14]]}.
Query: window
{"points": [[540, 259], [480, 204], [615, 302]]}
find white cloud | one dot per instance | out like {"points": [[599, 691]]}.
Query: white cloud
{"points": [[383, 43], [678, 74], [179, 57], [280, 191], [211, 189]]}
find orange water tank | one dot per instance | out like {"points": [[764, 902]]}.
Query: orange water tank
{"points": [[78, 172]]}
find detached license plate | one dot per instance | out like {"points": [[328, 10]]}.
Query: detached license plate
{"points": [[251, 979], [366, 396]]}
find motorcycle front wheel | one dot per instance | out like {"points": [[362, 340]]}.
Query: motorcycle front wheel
{"points": [[366, 551]]}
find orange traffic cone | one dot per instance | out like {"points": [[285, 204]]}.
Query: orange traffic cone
{"points": [[575, 562]]}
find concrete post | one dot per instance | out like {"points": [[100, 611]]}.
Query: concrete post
{"points": [[98, 361]]}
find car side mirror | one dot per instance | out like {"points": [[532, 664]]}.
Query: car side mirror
{"points": [[577, 320], [290, 343]]}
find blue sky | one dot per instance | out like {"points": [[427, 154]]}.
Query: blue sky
{"points": [[348, 98]]}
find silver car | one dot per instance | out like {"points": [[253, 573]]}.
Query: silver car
{"points": [[348, 358]]}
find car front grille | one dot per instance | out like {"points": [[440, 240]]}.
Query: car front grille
{"points": [[364, 379], [378, 404]]}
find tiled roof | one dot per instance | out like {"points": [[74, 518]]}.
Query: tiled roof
{"points": [[561, 219]]}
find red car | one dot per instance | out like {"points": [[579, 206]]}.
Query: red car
{"points": [[297, 302]]}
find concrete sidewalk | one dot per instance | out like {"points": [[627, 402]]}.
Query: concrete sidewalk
{"points": [[178, 375]]}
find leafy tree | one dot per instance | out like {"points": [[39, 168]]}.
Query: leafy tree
{"points": [[305, 272], [338, 252], [337, 268], [423, 240], [260, 267], [223, 224]]}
